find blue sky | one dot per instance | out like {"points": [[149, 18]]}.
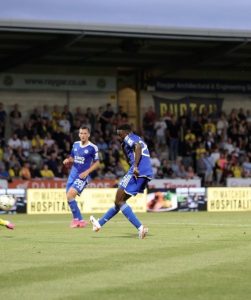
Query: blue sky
{"points": [[198, 14]]}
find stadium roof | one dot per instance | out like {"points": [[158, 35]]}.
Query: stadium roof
{"points": [[172, 36]]}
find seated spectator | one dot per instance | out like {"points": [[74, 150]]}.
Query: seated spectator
{"points": [[48, 140], [165, 170], [37, 142], [109, 175], [181, 171], [35, 157], [14, 171], [4, 174], [25, 146], [46, 172], [25, 171], [190, 173], [246, 165], [35, 171], [14, 142]]}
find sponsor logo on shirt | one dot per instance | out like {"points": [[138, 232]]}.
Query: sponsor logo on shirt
{"points": [[79, 160]]}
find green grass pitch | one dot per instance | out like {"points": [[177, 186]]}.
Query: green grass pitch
{"points": [[190, 256]]}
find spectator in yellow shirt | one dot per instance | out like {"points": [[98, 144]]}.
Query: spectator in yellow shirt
{"points": [[46, 172], [190, 136], [237, 170], [210, 127]]}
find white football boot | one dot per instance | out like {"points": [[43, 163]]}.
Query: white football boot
{"points": [[95, 224]]}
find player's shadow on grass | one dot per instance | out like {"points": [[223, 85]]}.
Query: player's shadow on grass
{"points": [[124, 236]]}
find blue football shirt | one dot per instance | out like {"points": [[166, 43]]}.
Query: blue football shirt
{"points": [[83, 157], [144, 166]]}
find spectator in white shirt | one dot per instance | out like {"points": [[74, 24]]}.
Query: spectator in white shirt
{"points": [[14, 142]]}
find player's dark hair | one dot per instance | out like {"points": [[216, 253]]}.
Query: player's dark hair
{"points": [[85, 127], [125, 127]]}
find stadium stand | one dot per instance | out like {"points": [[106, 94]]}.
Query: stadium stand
{"points": [[201, 145]]}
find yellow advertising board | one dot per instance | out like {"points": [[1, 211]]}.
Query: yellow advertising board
{"points": [[229, 199], [53, 201]]}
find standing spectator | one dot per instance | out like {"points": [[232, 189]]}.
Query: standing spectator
{"points": [[56, 116], [3, 116], [149, 119], [155, 163], [107, 118], [15, 118], [46, 113], [68, 115], [99, 120], [222, 125], [65, 124], [173, 134], [209, 164], [78, 115], [160, 127], [53, 163], [221, 167], [91, 117], [201, 167], [197, 126]]}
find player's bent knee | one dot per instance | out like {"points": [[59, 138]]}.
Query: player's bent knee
{"points": [[71, 194], [119, 203]]}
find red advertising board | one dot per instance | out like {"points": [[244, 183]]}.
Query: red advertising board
{"points": [[57, 183]]}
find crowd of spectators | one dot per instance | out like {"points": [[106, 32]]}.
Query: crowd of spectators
{"points": [[207, 145]]}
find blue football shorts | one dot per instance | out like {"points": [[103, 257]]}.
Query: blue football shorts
{"points": [[133, 185], [77, 184]]}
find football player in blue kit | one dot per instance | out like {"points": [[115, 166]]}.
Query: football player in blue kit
{"points": [[84, 159], [134, 182]]}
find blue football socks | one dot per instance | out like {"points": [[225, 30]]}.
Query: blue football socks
{"points": [[129, 214], [75, 210], [108, 215]]}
